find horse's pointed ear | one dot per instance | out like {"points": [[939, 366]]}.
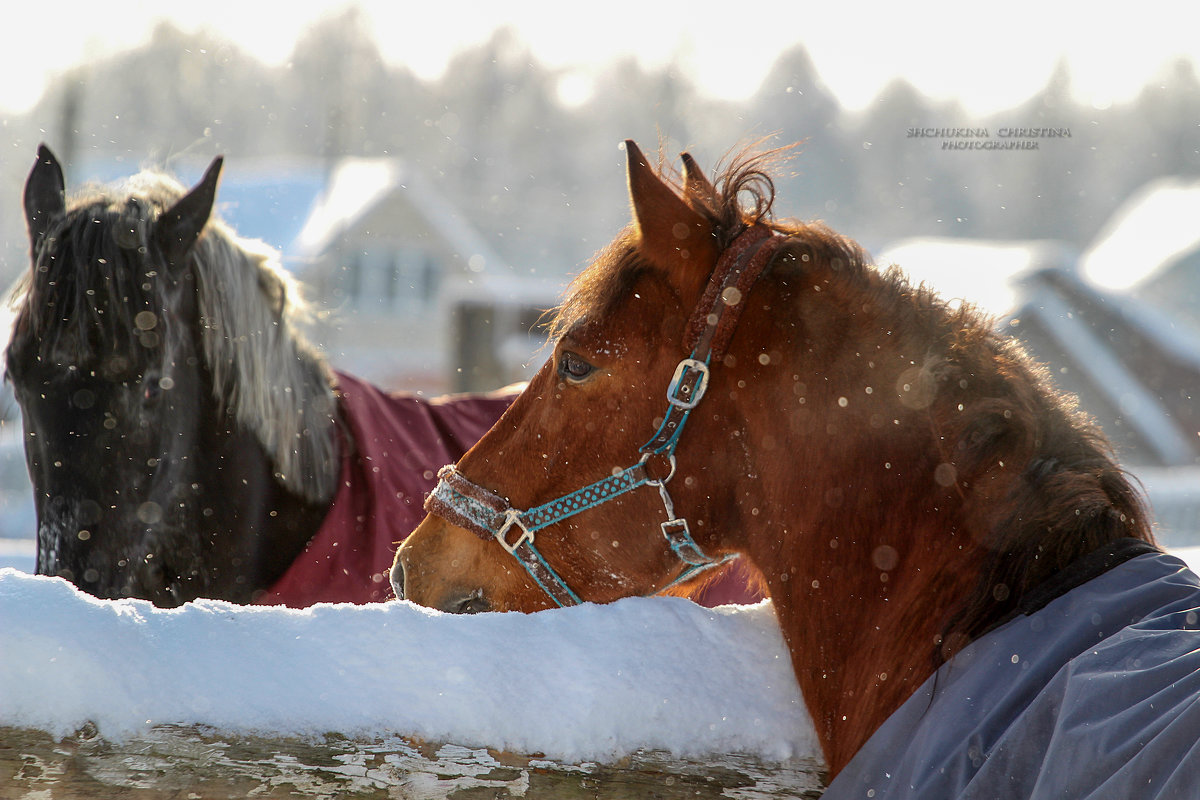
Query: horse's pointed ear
{"points": [[45, 195], [673, 234], [698, 192], [180, 225]]}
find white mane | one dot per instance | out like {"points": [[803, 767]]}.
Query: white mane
{"points": [[264, 370]]}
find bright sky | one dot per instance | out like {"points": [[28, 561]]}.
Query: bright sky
{"points": [[990, 55]]}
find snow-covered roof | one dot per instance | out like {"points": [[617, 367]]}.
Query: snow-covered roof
{"points": [[1157, 224], [356, 185], [986, 273]]}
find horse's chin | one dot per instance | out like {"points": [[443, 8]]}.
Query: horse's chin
{"points": [[164, 592], [75, 554]]}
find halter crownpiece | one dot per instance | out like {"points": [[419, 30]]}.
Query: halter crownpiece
{"points": [[740, 265], [468, 505]]}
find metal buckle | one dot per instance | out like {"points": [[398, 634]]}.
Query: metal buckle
{"points": [[512, 517], [691, 394], [679, 536]]}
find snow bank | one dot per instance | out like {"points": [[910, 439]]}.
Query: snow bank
{"points": [[591, 683], [584, 683]]}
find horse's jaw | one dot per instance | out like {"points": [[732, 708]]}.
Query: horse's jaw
{"points": [[76, 552]]}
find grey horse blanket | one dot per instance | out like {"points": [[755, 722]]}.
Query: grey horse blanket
{"points": [[1096, 694]]}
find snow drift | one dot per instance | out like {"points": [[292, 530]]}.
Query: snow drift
{"points": [[585, 683]]}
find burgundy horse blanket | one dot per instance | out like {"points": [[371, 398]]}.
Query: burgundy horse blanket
{"points": [[1094, 694], [393, 446]]}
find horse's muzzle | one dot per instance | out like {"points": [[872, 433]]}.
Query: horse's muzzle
{"points": [[453, 601]]}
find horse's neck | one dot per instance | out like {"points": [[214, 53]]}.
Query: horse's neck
{"points": [[862, 638], [267, 525], [853, 535]]}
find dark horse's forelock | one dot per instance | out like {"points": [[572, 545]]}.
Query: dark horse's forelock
{"points": [[98, 267], [88, 283]]}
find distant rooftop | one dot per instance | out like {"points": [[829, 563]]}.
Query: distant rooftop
{"points": [[986, 273], [1156, 225], [356, 185], [300, 206]]}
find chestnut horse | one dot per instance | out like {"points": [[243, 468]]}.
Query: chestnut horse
{"points": [[906, 480]]}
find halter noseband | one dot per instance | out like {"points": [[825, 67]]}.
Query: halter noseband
{"points": [[468, 505]]}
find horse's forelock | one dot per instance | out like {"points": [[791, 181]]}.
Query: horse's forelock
{"points": [[86, 283], [605, 282]]}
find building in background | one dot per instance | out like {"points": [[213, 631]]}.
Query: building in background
{"points": [[414, 296], [1150, 249]]}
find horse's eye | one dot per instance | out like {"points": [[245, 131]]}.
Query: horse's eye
{"points": [[573, 368]]}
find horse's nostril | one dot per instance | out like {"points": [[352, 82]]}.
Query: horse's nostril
{"points": [[473, 604]]}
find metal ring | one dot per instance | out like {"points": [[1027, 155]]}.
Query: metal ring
{"points": [[659, 481]]}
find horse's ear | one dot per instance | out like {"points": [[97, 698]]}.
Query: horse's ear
{"points": [[180, 225], [45, 194], [672, 233], [698, 192]]}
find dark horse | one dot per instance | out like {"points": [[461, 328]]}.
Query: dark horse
{"points": [[953, 554], [182, 438]]}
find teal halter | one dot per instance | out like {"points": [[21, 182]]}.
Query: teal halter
{"points": [[489, 516]]}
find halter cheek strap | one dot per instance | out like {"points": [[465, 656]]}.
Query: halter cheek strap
{"points": [[468, 505]]}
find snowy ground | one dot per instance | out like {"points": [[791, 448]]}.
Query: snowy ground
{"points": [[585, 683]]}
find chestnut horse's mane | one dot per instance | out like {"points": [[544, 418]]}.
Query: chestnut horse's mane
{"points": [[1070, 498]]}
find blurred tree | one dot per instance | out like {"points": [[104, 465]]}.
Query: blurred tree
{"points": [[793, 105], [1037, 193], [342, 97], [178, 92], [1169, 109], [910, 186], [499, 138]]}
